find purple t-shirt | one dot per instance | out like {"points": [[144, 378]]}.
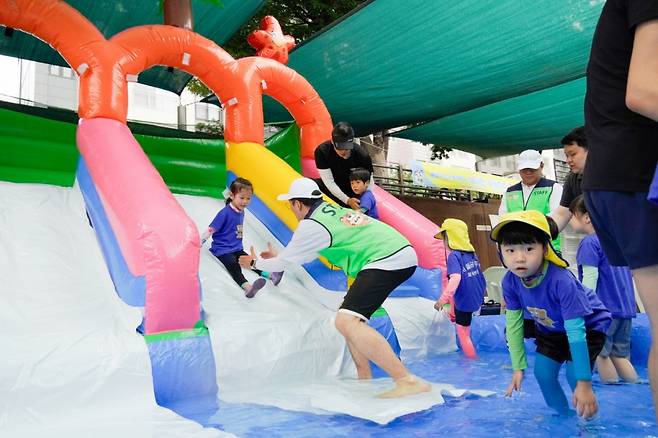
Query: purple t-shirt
{"points": [[472, 286], [560, 296], [227, 237], [369, 204], [615, 284]]}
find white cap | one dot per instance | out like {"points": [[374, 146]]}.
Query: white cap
{"points": [[529, 159], [301, 188]]}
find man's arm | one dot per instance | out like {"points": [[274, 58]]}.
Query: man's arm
{"points": [[308, 239], [642, 86], [561, 216], [328, 180]]}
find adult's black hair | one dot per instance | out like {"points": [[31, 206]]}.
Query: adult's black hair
{"points": [[360, 174], [309, 202], [576, 135], [578, 206]]}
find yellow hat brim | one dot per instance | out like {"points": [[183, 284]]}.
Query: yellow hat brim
{"points": [[526, 218]]}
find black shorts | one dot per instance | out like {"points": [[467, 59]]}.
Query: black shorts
{"points": [[529, 328], [370, 289], [556, 346], [463, 318]]}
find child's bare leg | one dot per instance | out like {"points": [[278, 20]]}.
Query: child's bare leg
{"points": [[607, 370], [625, 369], [363, 369]]}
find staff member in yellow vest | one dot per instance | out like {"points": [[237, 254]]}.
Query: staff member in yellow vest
{"points": [[534, 192], [373, 253]]}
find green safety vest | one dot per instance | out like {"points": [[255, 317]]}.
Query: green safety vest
{"points": [[538, 200], [356, 239]]}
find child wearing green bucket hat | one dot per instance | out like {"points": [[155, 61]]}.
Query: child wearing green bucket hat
{"points": [[570, 320], [466, 285]]}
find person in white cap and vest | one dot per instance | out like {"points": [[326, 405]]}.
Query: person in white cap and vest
{"points": [[534, 192], [378, 258]]}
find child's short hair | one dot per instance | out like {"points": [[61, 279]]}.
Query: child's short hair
{"points": [[238, 184], [360, 174], [518, 233], [578, 205]]}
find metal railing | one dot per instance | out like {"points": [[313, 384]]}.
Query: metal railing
{"points": [[398, 181]]}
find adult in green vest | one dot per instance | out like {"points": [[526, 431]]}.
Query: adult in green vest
{"points": [[373, 253], [534, 192]]}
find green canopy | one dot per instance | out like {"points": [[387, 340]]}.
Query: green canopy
{"points": [[113, 16], [395, 63], [538, 119]]}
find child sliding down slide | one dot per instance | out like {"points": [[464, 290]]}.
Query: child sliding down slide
{"points": [[466, 284], [226, 231]]}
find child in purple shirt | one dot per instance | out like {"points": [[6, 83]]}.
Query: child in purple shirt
{"points": [[614, 286], [360, 180], [226, 231], [570, 321], [466, 284]]}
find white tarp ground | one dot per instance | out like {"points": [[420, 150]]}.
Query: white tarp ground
{"points": [[281, 348], [72, 364]]}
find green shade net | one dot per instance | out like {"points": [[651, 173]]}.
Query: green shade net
{"points": [[538, 120], [395, 62], [113, 16]]}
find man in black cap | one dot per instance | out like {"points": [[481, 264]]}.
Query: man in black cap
{"points": [[335, 159]]}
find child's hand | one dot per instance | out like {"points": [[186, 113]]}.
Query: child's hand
{"points": [[270, 253], [246, 260], [584, 399], [517, 378]]}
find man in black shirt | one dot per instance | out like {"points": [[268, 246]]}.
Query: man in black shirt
{"points": [[621, 120], [575, 148], [335, 160]]}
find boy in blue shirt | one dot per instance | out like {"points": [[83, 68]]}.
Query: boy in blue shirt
{"points": [[360, 180], [466, 285], [570, 321], [614, 286]]}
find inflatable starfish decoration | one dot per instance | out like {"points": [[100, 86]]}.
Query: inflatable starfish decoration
{"points": [[270, 42]]}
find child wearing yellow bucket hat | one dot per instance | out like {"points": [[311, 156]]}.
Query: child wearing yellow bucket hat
{"points": [[570, 320], [466, 285]]}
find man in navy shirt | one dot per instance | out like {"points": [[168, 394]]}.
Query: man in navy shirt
{"points": [[621, 121]]}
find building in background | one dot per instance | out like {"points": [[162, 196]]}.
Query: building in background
{"points": [[35, 83]]}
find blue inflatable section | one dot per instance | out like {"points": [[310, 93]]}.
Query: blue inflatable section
{"points": [[488, 334], [425, 282], [384, 325], [131, 288], [184, 375]]}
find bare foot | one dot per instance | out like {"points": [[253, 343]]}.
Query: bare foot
{"points": [[405, 386]]}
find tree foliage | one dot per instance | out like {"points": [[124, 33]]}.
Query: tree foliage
{"points": [[439, 152]]}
